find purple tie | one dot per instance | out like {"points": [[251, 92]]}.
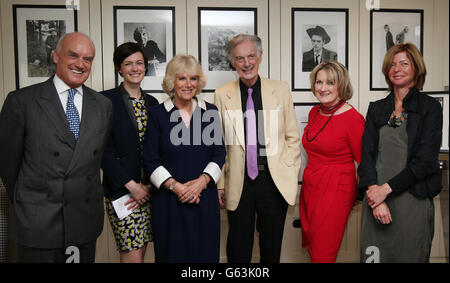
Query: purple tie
{"points": [[252, 164]]}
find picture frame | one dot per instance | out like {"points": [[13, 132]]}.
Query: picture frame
{"points": [[154, 28], [39, 27], [214, 31], [301, 113], [387, 28], [443, 98], [317, 30]]}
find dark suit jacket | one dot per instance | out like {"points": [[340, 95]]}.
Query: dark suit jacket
{"points": [[308, 59], [422, 176], [53, 181], [121, 161]]}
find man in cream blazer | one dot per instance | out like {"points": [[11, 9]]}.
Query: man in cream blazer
{"points": [[265, 189]]}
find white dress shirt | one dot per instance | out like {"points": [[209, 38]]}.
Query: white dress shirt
{"points": [[63, 92]]}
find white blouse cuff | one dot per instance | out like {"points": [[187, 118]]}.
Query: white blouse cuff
{"points": [[159, 176], [213, 170]]}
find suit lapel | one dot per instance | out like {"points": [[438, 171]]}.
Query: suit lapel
{"points": [[124, 96], [89, 111], [269, 99], [51, 105], [271, 109], [234, 111]]}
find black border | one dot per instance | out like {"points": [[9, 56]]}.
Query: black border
{"points": [[304, 104], [171, 8], [19, 6], [293, 10], [441, 93], [419, 11], [199, 22]]}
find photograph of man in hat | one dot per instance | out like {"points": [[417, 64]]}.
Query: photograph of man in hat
{"points": [[318, 54]]}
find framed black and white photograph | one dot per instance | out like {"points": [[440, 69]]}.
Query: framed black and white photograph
{"points": [[302, 113], [318, 35], [387, 28], [443, 97], [37, 29], [154, 29], [216, 26]]}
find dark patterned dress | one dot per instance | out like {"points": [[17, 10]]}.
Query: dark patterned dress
{"points": [[133, 231]]}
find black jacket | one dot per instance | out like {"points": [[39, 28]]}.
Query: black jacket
{"points": [[422, 176], [121, 160]]}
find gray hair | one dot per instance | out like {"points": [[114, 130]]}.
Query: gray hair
{"points": [[240, 38], [61, 39]]}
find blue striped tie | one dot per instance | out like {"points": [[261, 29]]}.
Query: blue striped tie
{"points": [[72, 114]]}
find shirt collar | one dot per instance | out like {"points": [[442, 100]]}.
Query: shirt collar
{"points": [[61, 86], [255, 87], [168, 103]]}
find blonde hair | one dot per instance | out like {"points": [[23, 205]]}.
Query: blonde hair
{"points": [[181, 64], [414, 55], [337, 73]]}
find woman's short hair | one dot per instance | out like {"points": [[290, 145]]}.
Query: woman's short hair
{"points": [[414, 55], [124, 50], [337, 73], [240, 38], [181, 64]]}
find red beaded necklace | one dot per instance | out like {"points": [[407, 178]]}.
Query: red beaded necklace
{"points": [[324, 110]]}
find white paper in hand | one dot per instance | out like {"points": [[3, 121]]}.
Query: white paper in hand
{"points": [[120, 207]]}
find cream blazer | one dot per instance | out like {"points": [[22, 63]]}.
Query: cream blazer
{"points": [[282, 139]]}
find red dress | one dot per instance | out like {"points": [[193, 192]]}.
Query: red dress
{"points": [[329, 181]]}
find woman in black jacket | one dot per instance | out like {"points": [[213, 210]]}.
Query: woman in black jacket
{"points": [[399, 170], [123, 169]]}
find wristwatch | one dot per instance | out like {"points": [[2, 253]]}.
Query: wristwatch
{"points": [[172, 186]]}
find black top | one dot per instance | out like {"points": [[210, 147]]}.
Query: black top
{"points": [[422, 176], [122, 160], [257, 101]]}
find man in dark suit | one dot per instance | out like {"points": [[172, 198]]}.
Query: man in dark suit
{"points": [[52, 138], [318, 54], [389, 38]]}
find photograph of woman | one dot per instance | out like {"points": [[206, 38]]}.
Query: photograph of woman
{"points": [[151, 49]]}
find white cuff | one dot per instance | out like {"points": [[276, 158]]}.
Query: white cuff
{"points": [[213, 170], [159, 176]]}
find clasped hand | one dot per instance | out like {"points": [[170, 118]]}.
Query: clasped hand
{"points": [[140, 194], [375, 194], [190, 192]]}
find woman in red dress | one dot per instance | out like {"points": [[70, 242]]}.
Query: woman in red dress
{"points": [[332, 140]]}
